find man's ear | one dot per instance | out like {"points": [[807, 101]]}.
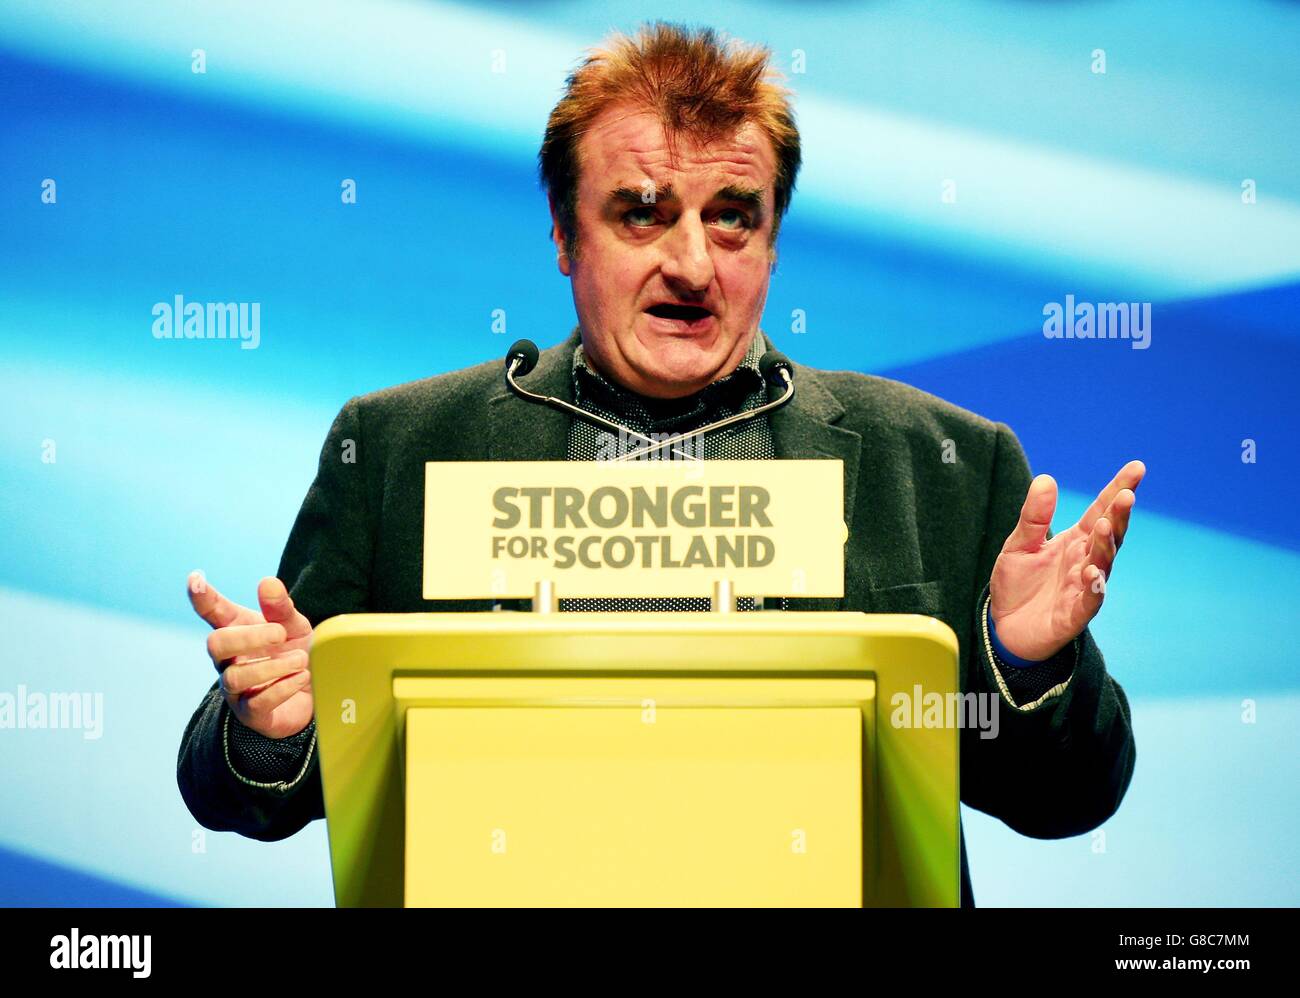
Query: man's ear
{"points": [[557, 238]]}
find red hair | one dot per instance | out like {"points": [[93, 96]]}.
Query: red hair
{"points": [[699, 85]]}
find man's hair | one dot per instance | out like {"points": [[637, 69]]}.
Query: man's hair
{"points": [[701, 87]]}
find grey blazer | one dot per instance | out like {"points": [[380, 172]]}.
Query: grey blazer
{"points": [[924, 534]]}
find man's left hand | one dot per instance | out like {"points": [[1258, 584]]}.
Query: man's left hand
{"points": [[1044, 592]]}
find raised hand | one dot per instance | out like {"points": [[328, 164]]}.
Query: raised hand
{"points": [[1044, 592], [262, 657]]}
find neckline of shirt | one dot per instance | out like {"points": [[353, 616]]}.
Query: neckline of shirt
{"points": [[735, 391]]}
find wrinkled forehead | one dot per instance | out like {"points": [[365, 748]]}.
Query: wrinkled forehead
{"points": [[625, 147]]}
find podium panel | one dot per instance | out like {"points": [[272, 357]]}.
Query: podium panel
{"points": [[641, 805]]}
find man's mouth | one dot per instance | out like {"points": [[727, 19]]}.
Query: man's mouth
{"points": [[688, 314]]}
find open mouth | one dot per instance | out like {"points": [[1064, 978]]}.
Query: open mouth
{"points": [[682, 313]]}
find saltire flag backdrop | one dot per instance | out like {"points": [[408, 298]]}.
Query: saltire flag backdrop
{"points": [[358, 180]]}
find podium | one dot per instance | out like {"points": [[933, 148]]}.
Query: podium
{"points": [[637, 759]]}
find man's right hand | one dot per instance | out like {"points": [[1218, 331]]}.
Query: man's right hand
{"points": [[262, 657]]}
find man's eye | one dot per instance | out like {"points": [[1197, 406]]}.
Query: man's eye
{"points": [[647, 214], [733, 218]]}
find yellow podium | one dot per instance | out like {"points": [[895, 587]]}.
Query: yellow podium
{"points": [[646, 759]]}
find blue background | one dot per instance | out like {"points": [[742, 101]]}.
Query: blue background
{"points": [[225, 186]]}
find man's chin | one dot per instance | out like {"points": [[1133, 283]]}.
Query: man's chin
{"points": [[677, 369], [675, 382]]}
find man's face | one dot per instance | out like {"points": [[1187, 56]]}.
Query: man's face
{"points": [[673, 258]]}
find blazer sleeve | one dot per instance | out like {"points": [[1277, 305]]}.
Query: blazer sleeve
{"points": [[1059, 764], [326, 567]]}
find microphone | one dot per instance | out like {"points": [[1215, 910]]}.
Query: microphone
{"points": [[521, 358], [775, 367]]}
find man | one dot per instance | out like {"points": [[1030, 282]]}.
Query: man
{"points": [[669, 164]]}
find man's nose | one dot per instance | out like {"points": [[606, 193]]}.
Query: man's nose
{"points": [[687, 262]]}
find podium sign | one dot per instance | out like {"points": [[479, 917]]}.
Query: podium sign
{"points": [[633, 529]]}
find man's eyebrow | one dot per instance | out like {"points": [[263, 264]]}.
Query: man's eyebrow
{"points": [[751, 196], [642, 195], [739, 193]]}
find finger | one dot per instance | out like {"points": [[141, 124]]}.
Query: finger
{"points": [[277, 605], [1118, 514], [1035, 516], [249, 677], [1101, 549], [256, 708], [1094, 593], [1127, 477], [1096, 571], [226, 643], [209, 604]]}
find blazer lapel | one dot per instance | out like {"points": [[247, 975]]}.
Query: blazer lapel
{"points": [[529, 431], [805, 428]]}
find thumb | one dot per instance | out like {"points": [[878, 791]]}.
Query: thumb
{"points": [[209, 604], [1035, 516], [277, 607]]}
